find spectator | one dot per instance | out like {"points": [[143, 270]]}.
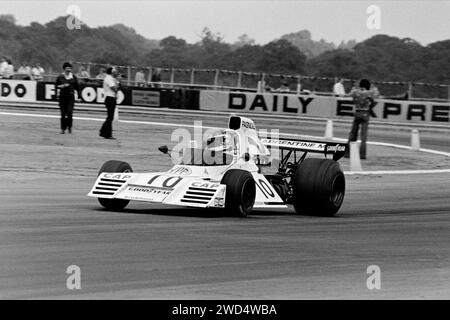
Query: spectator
{"points": [[284, 87], [139, 78], [267, 88], [338, 88], [156, 77], [375, 90], [364, 100], [121, 77], [110, 88], [9, 70], [28, 70], [3, 66], [22, 69], [40, 68], [37, 72], [24, 72], [83, 73], [101, 75], [67, 83]]}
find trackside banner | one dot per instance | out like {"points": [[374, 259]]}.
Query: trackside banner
{"points": [[17, 90], [127, 95], [324, 106], [90, 93]]}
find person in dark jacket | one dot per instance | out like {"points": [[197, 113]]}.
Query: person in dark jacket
{"points": [[156, 77], [364, 100], [67, 83]]}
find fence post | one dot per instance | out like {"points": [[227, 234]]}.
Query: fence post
{"points": [[410, 90], [192, 76], [262, 84], [299, 84], [239, 81], [172, 76], [216, 78], [150, 71], [129, 74]]}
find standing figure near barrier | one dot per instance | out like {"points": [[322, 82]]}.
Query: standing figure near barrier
{"points": [[139, 78], [67, 83], [338, 88], [156, 77], [364, 99], [110, 87]]}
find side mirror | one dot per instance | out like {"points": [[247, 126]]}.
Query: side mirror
{"points": [[246, 156], [163, 149]]}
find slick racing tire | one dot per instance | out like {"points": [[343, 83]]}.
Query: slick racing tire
{"points": [[319, 187], [241, 192], [114, 166]]}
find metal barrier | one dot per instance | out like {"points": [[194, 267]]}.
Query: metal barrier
{"points": [[252, 81]]}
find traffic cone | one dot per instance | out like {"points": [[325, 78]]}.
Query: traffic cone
{"points": [[329, 129], [355, 161], [415, 140]]}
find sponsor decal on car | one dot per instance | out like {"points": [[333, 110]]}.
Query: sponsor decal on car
{"points": [[248, 125], [116, 176], [182, 171], [149, 190], [206, 185], [335, 148], [294, 144]]}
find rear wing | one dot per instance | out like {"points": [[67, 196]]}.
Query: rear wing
{"points": [[337, 149]]}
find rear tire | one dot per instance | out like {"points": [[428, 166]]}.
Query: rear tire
{"points": [[241, 192], [114, 166], [319, 187]]}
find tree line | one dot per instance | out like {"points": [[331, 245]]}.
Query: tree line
{"points": [[381, 57]]}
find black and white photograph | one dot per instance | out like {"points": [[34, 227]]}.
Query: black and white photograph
{"points": [[224, 156]]}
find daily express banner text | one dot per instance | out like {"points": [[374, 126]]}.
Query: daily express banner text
{"points": [[324, 106]]}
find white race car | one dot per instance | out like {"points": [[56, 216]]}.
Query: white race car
{"points": [[226, 173]]}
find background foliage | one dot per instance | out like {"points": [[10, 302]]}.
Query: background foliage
{"points": [[381, 57]]}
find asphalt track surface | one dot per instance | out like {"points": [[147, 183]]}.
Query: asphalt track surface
{"points": [[400, 223]]}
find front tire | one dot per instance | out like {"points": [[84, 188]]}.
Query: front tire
{"points": [[241, 192], [114, 166], [319, 187]]}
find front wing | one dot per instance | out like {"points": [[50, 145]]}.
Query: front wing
{"points": [[177, 190], [159, 187]]}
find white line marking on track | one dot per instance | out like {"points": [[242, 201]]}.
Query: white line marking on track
{"points": [[221, 114], [375, 143], [166, 124], [399, 146], [377, 172], [286, 134], [163, 124]]}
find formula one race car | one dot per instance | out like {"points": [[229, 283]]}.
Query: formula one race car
{"points": [[226, 173]]}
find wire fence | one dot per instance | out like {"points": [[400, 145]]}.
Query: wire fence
{"points": [[253, 81]]}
